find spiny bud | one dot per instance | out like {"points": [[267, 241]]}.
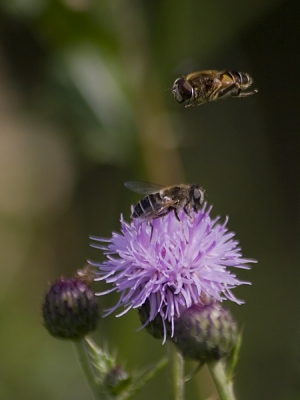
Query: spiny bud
{"points": [[70, 309], [205, 332], [116, 380], [158, 328]]}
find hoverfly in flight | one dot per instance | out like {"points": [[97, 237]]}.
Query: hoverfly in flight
{"points": [[200, 87]]}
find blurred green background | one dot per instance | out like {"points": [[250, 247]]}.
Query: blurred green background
{"points": [[84, 106]]}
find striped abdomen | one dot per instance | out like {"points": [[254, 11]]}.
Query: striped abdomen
{"points": [[242, 79], [148, 206]]}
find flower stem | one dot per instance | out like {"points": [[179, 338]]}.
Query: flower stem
{"points": [[176, 368], [223, 384], [84, 361]]}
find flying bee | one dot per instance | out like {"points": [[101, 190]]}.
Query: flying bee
{"points": [[161, 200], [200, 87]]}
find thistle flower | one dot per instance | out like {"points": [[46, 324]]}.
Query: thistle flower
{"points": [[170, 265]]}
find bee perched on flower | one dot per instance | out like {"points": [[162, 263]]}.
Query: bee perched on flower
{"points": [[170, 266]]}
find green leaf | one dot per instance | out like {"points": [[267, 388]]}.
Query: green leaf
{"points": [[233, 358]]}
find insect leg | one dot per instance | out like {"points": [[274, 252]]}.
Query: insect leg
{"points": [[244, 94], [229, 89], [161, 214], [187, 210], [151, 232], [179, 220], [176, 214], [157, 216], [214, 90], [189, 104]]}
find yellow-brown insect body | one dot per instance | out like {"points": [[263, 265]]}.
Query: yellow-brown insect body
{"points": [[86, 275], [201, 87], [162, 200]]}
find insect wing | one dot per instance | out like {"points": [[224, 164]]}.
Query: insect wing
{"points": [[158, 211], [199, 76], [143, 187]]}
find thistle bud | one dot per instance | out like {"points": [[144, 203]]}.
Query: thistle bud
{"points": [[70, 309], [116, 380], [205, 332]]}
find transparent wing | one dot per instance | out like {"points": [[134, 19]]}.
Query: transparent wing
{"points": [[200, 75], [143, 187]]}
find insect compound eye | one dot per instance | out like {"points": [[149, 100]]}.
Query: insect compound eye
{"points": [[182, 90], [196, 194]]}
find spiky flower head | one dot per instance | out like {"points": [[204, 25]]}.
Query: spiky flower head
{"points": [[170, 265], [205, 332], [70, 308], [116, 380]]}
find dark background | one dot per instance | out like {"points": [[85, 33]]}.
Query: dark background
{"points": [[83, 108]]}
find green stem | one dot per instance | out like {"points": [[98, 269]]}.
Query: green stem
{"points": [[84, 361], [176, 367], [223, 384]]}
